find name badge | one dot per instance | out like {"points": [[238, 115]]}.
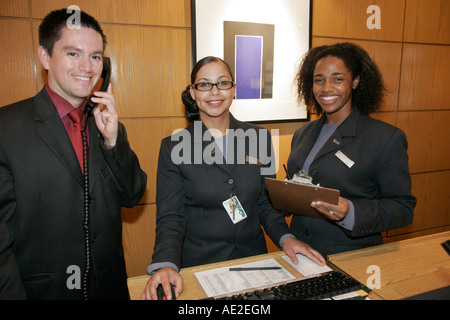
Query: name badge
{"points": [[344, 158], [234, 209]]}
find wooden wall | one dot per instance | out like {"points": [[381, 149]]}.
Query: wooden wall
{"points": [[150, 48]]}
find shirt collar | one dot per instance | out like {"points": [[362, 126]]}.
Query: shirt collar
{"points": [[62, 105]]}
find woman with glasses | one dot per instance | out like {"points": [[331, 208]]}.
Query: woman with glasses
{"points": [[211, 194]]}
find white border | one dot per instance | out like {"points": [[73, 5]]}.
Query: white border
{"points": [[291, 20]]}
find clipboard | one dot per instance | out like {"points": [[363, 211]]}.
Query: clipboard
{"points": [[296, 198]]}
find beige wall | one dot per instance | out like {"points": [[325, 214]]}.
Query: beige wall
{"points": [[150, 48]]}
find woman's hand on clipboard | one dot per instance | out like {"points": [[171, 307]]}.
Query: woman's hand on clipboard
{"points": [[335, 212]]}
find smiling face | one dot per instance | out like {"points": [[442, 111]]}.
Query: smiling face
{"points": [[214, 103], [333, 85], [75, 65]]}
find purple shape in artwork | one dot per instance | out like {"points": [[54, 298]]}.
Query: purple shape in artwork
{"points": [[248, 67]]}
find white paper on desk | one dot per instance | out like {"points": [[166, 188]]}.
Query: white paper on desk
{"points": [[221, 281], [306, 266]]}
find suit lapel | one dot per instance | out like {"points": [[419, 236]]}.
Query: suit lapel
{"points": [[50, 129], [95, 153], [334, 143], [346, 130]]}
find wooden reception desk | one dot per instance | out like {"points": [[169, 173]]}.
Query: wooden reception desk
{"points": [[405, 268]]}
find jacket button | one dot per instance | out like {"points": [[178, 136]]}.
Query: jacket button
{"points": [[231, 181]]}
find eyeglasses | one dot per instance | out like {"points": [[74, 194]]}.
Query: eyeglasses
{"points": [[207, 86]]}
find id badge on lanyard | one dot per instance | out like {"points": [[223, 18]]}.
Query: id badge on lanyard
{"points": [[234, 209]]}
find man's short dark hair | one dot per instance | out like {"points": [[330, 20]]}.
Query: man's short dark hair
{"points": [[55, 21]]}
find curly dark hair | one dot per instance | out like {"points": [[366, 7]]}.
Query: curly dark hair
{"points": [[191, 110], [368, 95]]}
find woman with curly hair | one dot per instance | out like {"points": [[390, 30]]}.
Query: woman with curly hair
{"points": [[364, 158]]}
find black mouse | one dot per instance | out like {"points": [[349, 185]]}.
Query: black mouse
{"points": [[162, 295]]}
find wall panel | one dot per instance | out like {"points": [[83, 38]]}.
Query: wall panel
{"points": [[348, 19], [138, 236], [173, 13], [427, 21], [425, 77], [428, 137], [151, 68], [17, 8], [17, 74]]}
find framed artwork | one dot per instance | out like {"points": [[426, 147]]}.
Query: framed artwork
{"points": [[263, 41]]}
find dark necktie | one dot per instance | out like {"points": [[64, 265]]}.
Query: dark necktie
{"points": [[76, 115]]}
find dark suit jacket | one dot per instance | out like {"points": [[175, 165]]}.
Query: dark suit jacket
{"points": [[41, 205], [378, 184], [193, 227]]}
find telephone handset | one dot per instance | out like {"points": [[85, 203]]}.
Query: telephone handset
{"points": [[106, 75]]}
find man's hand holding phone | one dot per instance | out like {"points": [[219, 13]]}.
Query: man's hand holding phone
{"points": [[105, 115]]}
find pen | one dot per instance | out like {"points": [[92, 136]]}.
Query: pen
{"points": [[287, 173], [254, 268]]}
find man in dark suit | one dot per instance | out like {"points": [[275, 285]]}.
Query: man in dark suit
{"points": [[42, 223]]}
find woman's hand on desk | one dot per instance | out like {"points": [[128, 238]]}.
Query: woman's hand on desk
{"points": [[292, 246], [165, 276]]}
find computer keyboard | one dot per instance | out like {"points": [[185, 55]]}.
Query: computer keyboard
{"points": [[325, 286]]}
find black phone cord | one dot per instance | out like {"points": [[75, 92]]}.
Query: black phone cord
{"points": [[86, 217]]}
